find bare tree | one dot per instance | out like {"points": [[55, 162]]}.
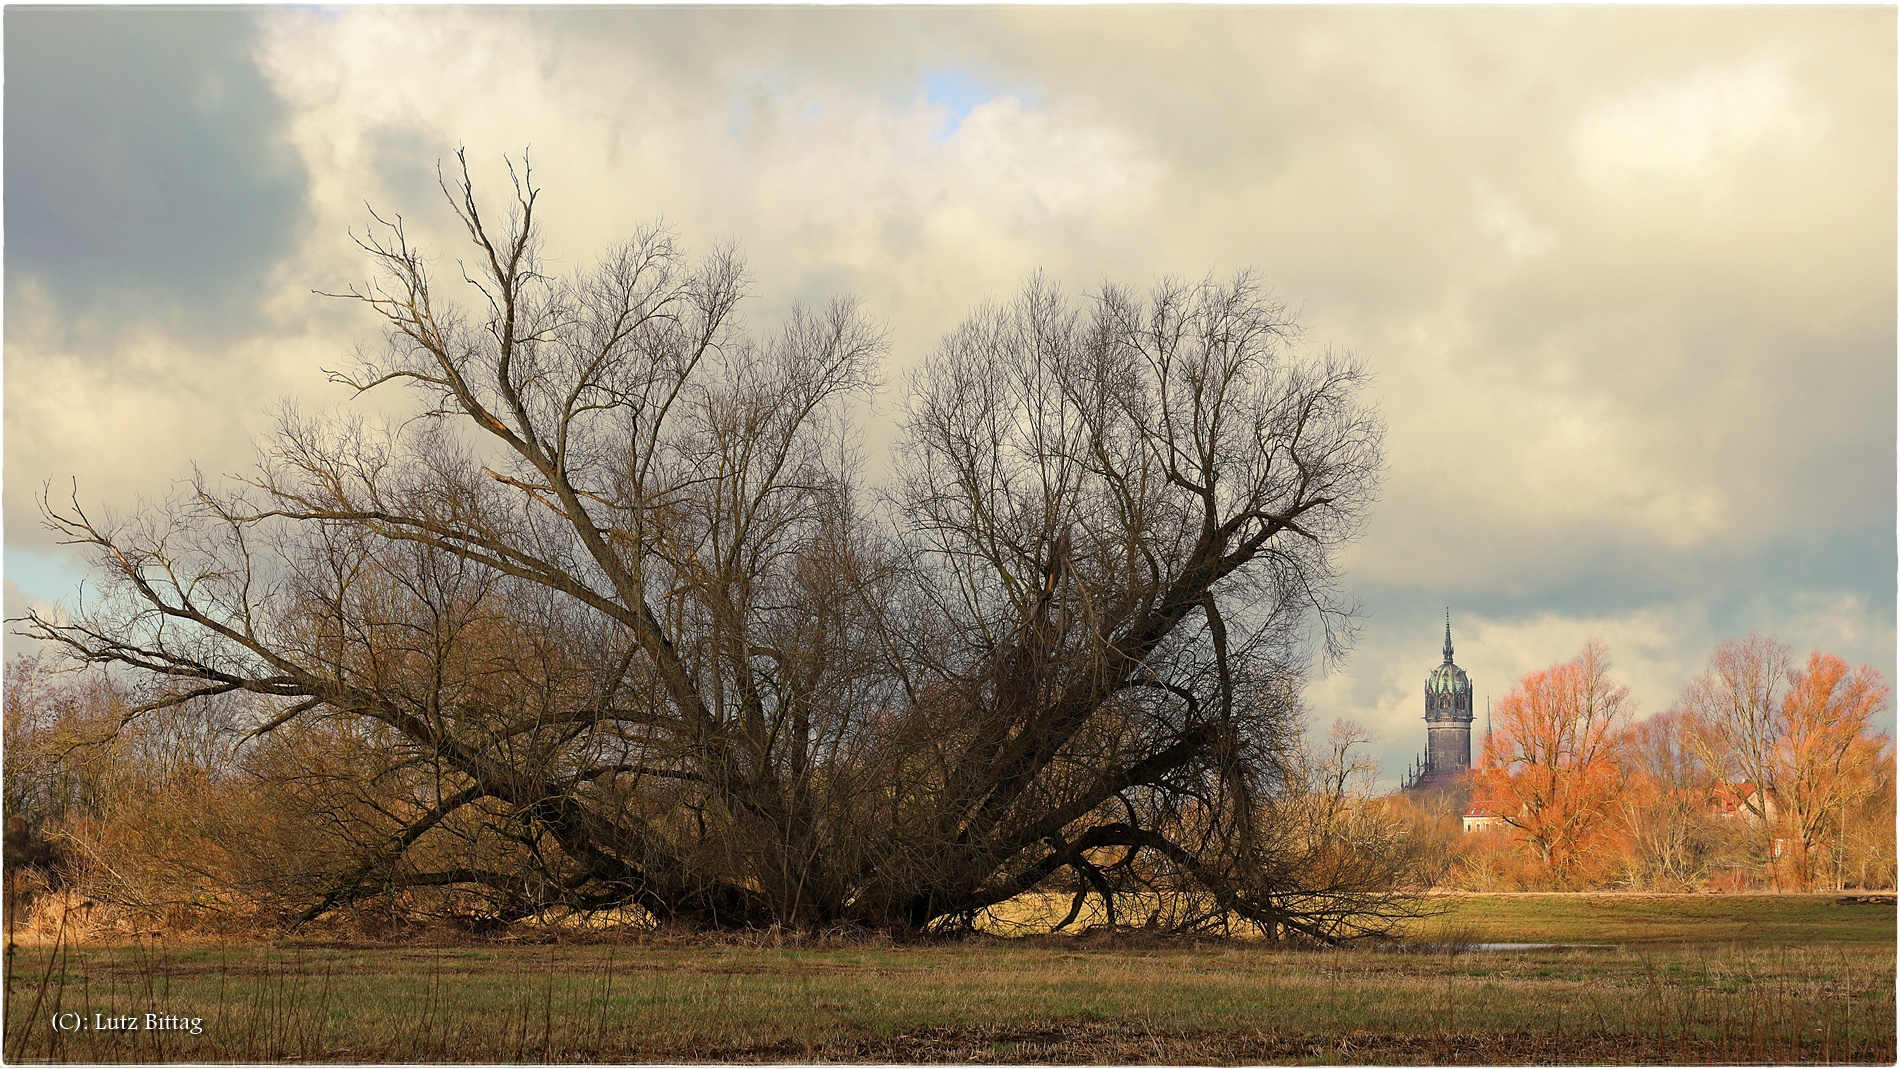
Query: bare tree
{"points": [[622, 630], [1123, 514], [1800, 737], [1735, 705], [1664, 803]]}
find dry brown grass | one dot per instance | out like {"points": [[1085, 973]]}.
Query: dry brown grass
{"points": [[1692, 979], [1100, 999]]}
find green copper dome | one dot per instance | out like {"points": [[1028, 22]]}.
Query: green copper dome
{"points": [[1448, 678]]}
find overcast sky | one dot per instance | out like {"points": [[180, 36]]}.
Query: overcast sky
{"points": [[1626, 276]]}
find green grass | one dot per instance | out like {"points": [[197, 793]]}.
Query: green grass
{"points": [[1700, 997], [1758, 920]]}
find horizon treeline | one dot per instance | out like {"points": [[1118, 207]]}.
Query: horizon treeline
{"points": [[1767, 774]]}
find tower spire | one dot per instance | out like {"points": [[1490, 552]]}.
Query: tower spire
{"points": [[1447, 634]]}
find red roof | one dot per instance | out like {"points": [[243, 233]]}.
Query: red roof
{"points": [[1730, 796]]}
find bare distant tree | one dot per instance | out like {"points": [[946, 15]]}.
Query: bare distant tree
{"points": [[1801, 737], [1735, 705], [612, 624], [1664, 803]]}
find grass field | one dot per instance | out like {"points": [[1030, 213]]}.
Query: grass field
{"points": [[1758, 978], [1637, 920]]}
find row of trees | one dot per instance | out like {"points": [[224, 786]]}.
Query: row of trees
{"points": [[1764, 772], [613, 623]]}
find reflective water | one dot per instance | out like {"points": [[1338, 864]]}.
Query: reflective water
{"points": [[1459, 948], [1540, 946]]}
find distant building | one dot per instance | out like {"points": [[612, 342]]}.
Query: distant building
{"points": [[1730, 800], [1448, 719], [1727, 801], [1480, 818]]}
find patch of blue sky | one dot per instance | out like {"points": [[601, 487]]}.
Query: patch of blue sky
{"points": [[42, 575], [958, 92]]}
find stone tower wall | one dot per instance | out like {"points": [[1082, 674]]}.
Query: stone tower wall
{"points": [[1448, 747]]}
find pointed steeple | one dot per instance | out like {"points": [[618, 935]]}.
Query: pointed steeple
{"points": [[1447, 634]]}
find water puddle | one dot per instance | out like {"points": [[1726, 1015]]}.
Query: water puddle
{"points": [[1542, 946], [1461, 948]]}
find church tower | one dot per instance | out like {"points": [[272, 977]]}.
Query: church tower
{"points": [[1448, 716]]}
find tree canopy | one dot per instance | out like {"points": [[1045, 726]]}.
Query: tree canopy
{"points": [[615, 622]]}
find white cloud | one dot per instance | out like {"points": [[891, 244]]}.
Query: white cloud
{"points": [[1694, 130], [1520, 237]]}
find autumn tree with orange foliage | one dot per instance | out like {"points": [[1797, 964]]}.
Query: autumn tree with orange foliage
{"points": [[1809, 749], [1548, 767]]}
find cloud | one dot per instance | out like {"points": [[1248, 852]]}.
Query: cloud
{"points": [[1626, 276], [1518, 235], [143, 175], [957, 92], [1694, 130]]}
